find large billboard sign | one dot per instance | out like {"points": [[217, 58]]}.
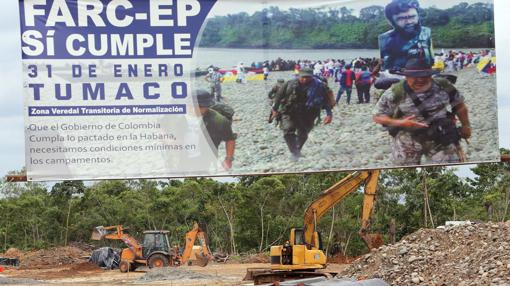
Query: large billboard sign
{"points": [[175, 88]]}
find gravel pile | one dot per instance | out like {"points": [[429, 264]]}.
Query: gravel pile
{"points": [[18, 281], [170, 273], [474, 254]]}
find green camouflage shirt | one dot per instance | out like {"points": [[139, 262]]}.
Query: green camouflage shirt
{"points": [[218, 127], [435, 101]]}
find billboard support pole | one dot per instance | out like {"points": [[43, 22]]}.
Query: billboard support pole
{"points": [[16, 178]]}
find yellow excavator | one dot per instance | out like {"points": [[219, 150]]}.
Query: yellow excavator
{"points": [[303, 254], [155, 250]]}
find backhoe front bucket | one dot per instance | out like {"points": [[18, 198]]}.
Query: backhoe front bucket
{"points": [[373, 240], [98, 233]]}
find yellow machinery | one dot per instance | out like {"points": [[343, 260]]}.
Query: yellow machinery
{"points": [[156, 250], [303, 253]]}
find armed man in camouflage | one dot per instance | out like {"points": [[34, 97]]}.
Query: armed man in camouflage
{"points": [[299, 102], [416, 115], [274, 90], [408, 38], [214, 78], [218, 126]]}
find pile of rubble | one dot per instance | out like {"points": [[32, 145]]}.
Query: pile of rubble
{"points": [[473, 254], [255, 258], [12, 253], [46, 258]]}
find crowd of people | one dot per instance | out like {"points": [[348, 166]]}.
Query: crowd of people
{"points": [[457, 60], [419, 108]]}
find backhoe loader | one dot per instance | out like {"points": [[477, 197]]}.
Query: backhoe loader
{"points": [[303, 254], [155, 250]]}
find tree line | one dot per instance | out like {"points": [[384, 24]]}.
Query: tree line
{"points": [[461, 26], [251, 214]]}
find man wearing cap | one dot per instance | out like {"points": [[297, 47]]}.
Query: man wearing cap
{"points": [[420, 114], [218, 126], [214, 78], [299, 102], [407, 39]]}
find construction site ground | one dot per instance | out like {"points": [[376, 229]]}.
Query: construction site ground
{"points": [[88, 274], [465, 254]]}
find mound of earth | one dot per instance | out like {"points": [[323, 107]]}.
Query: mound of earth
{"points": [[46, 258], [256, 258], [473, 254], [341, 259], [12, 253]]}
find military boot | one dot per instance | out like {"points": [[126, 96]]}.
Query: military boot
{"points": [[301, 140], [293, 144]]}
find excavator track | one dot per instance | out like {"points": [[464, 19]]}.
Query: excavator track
{"points": [[261, 276]]}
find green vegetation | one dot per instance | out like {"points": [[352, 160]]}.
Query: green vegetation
{"points": [[463, 25], [250, 215]]}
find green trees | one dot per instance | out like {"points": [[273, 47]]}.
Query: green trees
{"points": [[252, 214], [461, 26], [492, 189]]}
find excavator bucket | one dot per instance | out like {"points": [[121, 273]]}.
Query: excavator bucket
{"points": [[98, 233], [373, 240], [201, 259]]}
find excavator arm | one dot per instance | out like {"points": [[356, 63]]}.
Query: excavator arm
{"points": [[117, 232], [205, 255], [336, 194]]}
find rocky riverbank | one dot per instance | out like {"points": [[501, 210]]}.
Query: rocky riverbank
{"points": [[353, 140]]}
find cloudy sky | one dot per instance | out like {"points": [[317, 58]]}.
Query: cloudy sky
{"points": [[12, 155]]}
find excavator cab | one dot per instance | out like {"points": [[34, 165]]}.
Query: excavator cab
{"points": [[297, 236], [155, 241], [296, 254]]}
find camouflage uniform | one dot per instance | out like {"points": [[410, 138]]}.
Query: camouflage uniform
{"points": [[407, 148], [274, 90], [218, 127], [297, 119], [214, 80]]}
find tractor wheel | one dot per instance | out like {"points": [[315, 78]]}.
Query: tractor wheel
{"points": [[158, 260], [124, 266]]}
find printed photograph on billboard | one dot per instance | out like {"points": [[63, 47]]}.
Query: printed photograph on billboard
{"points": [[141, 89]]}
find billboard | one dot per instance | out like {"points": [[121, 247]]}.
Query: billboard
{"points": [[161, 88]]}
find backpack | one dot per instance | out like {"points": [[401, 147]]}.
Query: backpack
{"points": [[330, 97], [445, 84], [224, 110], [364, 78]]}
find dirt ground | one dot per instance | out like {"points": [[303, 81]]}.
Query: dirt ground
{"points": [[87, 274]]}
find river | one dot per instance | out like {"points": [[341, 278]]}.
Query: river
{"points": [[226, 58]]}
